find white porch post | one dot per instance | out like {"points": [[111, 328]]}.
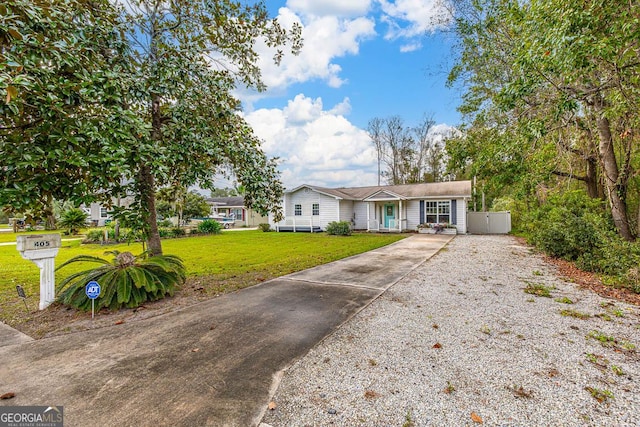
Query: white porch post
{"points": [[400, 216], [368, 216]]}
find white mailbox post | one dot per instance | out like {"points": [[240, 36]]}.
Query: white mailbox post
{"points": [[41, 250]]}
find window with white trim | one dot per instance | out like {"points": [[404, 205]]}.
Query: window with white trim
{"points": [[315, 209], [297, 210], [438, 212]]}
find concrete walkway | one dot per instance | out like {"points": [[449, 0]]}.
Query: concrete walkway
{"points": [[215, 363]]}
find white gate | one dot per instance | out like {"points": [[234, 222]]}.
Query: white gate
{"points": [[489, 222]]}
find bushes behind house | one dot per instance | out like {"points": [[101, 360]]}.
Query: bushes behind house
{"points": [[340, 228]]}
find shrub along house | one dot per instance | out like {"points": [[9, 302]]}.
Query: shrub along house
{"points": [[390, 208]]}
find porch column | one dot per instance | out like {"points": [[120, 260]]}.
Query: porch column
{"points": [[368, 216], [400, 215]]}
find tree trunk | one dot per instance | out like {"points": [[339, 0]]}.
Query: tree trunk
{"points": [[638, 224], [593, 187], [48, 215], [614, 189], [148, 201]]}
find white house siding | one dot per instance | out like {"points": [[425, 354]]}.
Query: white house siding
{"points": [[461, 216], [413, 213], [346, 210], [328, 206], [360, 211]]}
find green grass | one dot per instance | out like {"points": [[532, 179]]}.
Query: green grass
{"points": [[609, 341], [6, 237], [574, 313], [602, 396], [233, 259], [538, 290]]}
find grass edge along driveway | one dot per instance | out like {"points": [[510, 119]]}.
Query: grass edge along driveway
{"points": [[215, 263]]}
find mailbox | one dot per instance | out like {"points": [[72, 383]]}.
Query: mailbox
{"points": [[41, 249]]}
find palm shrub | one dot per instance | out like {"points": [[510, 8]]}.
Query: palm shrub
{"points": [[73, 220], [126, 280]]}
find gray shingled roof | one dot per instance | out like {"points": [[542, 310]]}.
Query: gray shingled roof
{"points": [[227, 201], [408, 191]]}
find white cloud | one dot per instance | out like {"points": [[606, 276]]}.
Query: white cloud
{"points": [[316, 146], [414, 18], [348, 8], [325, 38]]}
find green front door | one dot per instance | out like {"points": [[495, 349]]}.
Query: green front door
{"points": [[389, 214]]}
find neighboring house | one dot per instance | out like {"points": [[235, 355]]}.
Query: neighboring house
{"points": [[233, 207], [380, 208], [100, 215]]}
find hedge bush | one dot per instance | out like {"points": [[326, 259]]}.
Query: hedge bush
{"points": [[578, 228], [339, 228], [265, 227]]}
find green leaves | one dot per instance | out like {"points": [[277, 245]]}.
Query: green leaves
{"points": [[552, 87], [123, 285], [58, 118]]}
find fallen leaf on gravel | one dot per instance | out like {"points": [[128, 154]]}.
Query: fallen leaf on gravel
{"points": [[437, 345], [435, 326], [119, 322], [272, 405], [212, 327], [553, 373], [9, 395], [476, 418], [370, 394], [195, 350]]}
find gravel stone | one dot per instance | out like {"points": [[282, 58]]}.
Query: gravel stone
{"points": [[506, 356]]}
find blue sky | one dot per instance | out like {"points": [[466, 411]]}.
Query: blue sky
{"points": [[362, 59]]}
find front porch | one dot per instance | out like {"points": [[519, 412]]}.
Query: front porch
{"points": [[393, 226], [299, 224], [386, 213]]}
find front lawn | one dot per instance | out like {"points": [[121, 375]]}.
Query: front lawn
{"points": [[215, 263]]}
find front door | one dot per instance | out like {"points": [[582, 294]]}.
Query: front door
{"points": [[389, 214]]}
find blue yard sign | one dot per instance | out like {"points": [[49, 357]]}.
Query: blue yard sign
{"points": [[93, 291]]}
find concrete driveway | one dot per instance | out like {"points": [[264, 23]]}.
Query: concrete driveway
{"points": [[215, 363]]}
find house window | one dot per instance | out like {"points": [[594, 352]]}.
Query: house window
{"points": [[297, 210], [104, 213], [237, 214], [315, 209], [437, 212]]}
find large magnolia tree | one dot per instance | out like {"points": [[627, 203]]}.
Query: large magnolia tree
{"points": [[103, 98], [63, 112], [189, 55]]}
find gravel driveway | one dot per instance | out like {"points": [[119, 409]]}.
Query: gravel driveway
{"points": [[459, 342]]}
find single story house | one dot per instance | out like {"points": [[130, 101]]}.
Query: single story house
{"points": [[100, 215], [233, 207], [391, 208]]}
